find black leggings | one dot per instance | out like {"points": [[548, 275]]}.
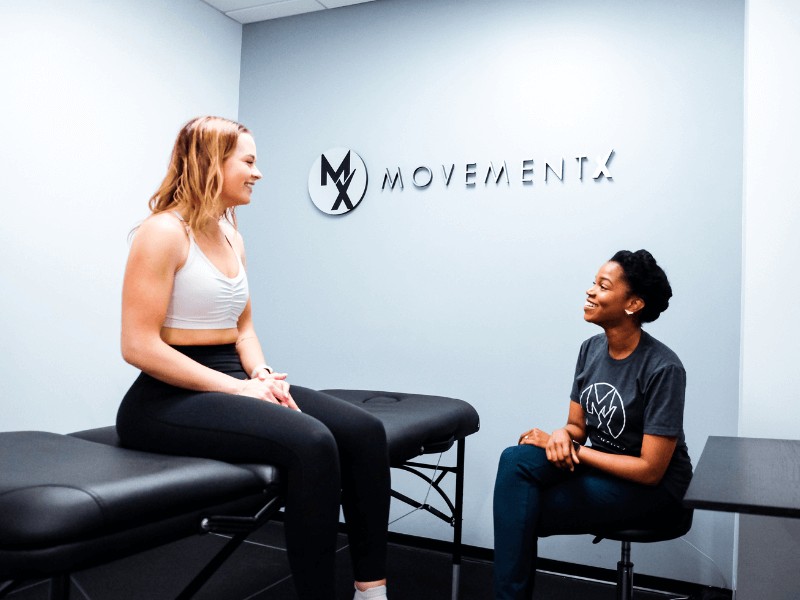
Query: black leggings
{"points": [[331, 446]]}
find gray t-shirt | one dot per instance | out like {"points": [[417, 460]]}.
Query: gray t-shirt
{"points": [[624, 399]]}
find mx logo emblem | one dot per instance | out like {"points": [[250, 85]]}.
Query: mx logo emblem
{"points": [[337, 181], [601, 401]]}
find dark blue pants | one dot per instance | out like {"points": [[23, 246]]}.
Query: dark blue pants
{"points": [[533, 498], [332, 452]]}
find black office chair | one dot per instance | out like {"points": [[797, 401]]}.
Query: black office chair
{"points": [[672, 527]]}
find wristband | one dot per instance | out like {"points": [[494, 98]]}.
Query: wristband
{"points": [[575, 445], [255, 371]]}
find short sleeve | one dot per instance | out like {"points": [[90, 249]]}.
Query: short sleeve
{"points": [[575, 394], [664, 400]]}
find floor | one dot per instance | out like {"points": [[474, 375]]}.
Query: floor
{"points": [[259, 571]]}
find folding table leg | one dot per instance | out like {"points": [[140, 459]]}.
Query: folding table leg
{"points": [[59, 587], [455, 505], [6, 587], [205, 574], [457, 518], [239, 528]]}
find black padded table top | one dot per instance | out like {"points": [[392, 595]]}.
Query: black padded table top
{"points": [[74, 501], [268, 475], [415, 423], [59, 488]]}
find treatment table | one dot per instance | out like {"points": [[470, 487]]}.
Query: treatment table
{"points": [[70, 502]]}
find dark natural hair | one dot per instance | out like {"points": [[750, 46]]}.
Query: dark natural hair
{"points": [[647, 280]]}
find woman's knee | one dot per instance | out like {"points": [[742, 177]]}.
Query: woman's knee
{"points": [[527, 463], [509, 457], [316, 441], [360, 434], [370, 431], [508, 467], [312, 451], [522, 456]]}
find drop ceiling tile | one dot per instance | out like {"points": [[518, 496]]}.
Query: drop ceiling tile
{"points": [[275, 10], [340, 3], [229, 5]]}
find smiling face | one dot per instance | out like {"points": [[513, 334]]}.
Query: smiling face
{"points": [[239, 172], [609, 297]]}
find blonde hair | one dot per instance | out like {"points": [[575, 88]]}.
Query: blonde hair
{"points": [[193, 184]]}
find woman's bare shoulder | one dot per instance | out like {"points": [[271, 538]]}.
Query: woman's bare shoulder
{"points": [[162, 236], [163, 226]]}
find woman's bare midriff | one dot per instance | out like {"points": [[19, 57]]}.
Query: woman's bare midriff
{"points": [[198, 337]]}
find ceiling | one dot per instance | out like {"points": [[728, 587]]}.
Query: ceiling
{"points": [[250, 11]]}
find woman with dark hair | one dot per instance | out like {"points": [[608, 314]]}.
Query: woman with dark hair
{"points": [[205, 388], [627, 401]]}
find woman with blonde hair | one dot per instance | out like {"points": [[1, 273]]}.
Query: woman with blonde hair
{"points": [[205, 388]]}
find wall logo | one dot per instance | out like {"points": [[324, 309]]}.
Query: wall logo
{"points": [[545, 171], [337, 181]]}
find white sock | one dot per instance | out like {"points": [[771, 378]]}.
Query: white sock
{"points": [[375, 593]]}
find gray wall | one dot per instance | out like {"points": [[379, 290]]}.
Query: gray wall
{"points": [[477, 292], [93, 95], [767, 547]]}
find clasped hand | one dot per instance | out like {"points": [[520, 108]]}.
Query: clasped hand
{"points": [[558, 447], [271, 387]]}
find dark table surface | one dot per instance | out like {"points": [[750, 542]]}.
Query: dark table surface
{"points": [[747, 475]]}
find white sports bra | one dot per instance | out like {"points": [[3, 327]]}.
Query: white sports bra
{"points": [[202, 296]]}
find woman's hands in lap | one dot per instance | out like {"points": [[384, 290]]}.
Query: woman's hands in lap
{"points": [[271, 387], [558, 446]]}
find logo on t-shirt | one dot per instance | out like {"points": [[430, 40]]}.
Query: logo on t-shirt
{"points": [[602, 400]]}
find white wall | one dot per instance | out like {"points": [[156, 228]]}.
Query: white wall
{"points": [[93, 95], [477, 293], [767, 565]]}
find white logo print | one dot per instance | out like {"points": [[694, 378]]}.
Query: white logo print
{"points": [[604, 401], [337, 181]]}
